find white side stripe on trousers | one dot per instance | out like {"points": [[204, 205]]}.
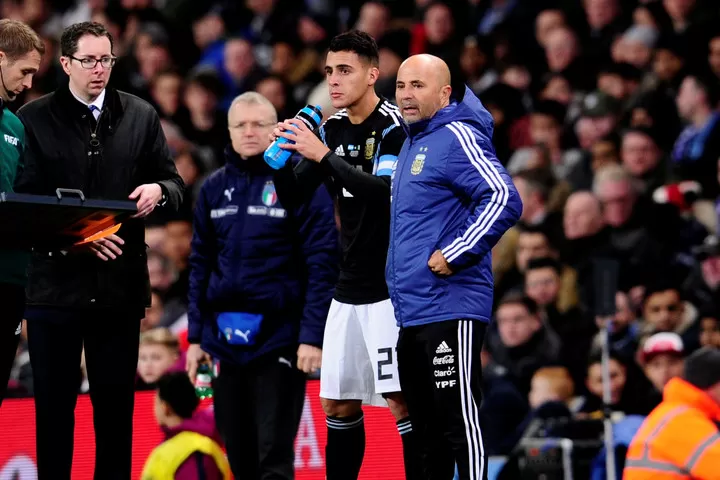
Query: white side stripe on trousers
{"points": [[476, 451]]}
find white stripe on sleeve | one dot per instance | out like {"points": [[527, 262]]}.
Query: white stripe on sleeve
{"points": [[493, 209], [385, 164]]}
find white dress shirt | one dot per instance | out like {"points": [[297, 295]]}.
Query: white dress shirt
{"points": [[97, 103]]}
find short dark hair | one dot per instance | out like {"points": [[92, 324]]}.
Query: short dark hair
{"points": [[664, 281], [72, 35], [532, 229], [595, 357], [168, 72], [552, 109], [274, 77], [207, 80], [17, 39], [178, 392], [538, 179], [648, 132], [519, 298], [626, 71], [707, 84], [358, 42], [544, 262]]}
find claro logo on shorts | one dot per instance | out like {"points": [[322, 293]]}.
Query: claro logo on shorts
{"points": [[445, 373], [446, 360]]}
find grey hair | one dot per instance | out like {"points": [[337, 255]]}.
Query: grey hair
{"points": [[612, 173], [254, 98]]}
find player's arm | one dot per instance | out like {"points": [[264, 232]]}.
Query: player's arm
{"points": [[474, 172], [296, 182], [359, 183], [355, 181]]}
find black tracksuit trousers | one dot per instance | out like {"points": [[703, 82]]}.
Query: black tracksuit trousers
{"points": [[441, 376]]}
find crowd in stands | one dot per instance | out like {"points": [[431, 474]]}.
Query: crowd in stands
{"points": [[606, 115]]}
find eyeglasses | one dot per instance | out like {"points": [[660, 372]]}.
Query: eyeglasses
{"points": [[253, 125], [90, 63]]}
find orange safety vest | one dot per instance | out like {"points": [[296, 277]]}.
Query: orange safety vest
{"points": [[679, 440]]}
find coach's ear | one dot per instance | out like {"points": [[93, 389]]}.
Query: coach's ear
{"points": [[445, 93]]}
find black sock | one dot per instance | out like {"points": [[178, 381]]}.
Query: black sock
{"points": [[413, 465], [345, 447]]}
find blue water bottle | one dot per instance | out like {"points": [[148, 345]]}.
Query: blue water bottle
{"points": [[275, 156]]}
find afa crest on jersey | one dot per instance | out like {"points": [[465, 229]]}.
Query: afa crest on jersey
{"points": [[370, 147], [269, 195], [417, 164]]}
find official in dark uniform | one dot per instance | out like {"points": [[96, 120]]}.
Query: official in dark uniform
{"points": [[20, 53], [108, 144]]}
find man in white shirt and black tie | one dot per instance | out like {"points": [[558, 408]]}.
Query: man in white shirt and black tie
{"points": [[109, 145]]}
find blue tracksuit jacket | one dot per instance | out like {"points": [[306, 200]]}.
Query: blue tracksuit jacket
{"points": [[449, 193], [249, 254]]}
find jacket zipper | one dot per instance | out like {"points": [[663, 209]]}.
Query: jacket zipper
{"points": [[243, 204], [393, 216]]}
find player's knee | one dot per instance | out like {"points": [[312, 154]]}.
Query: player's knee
{"points": [[341, 408], [397, 405]]}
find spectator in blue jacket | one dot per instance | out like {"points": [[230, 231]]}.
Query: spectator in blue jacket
{"points": [[261, 282], [451, 202]]}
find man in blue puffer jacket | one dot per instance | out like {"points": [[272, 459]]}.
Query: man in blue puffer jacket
{"points": [[451, 202], [262, 278]]}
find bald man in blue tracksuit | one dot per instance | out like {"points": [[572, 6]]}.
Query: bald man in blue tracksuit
{"points": [[451, 202]]}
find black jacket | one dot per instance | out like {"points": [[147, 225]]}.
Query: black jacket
{"points": [[132, 152]]}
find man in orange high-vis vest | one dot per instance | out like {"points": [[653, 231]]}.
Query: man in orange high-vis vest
{"points": [[680, 439]]}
